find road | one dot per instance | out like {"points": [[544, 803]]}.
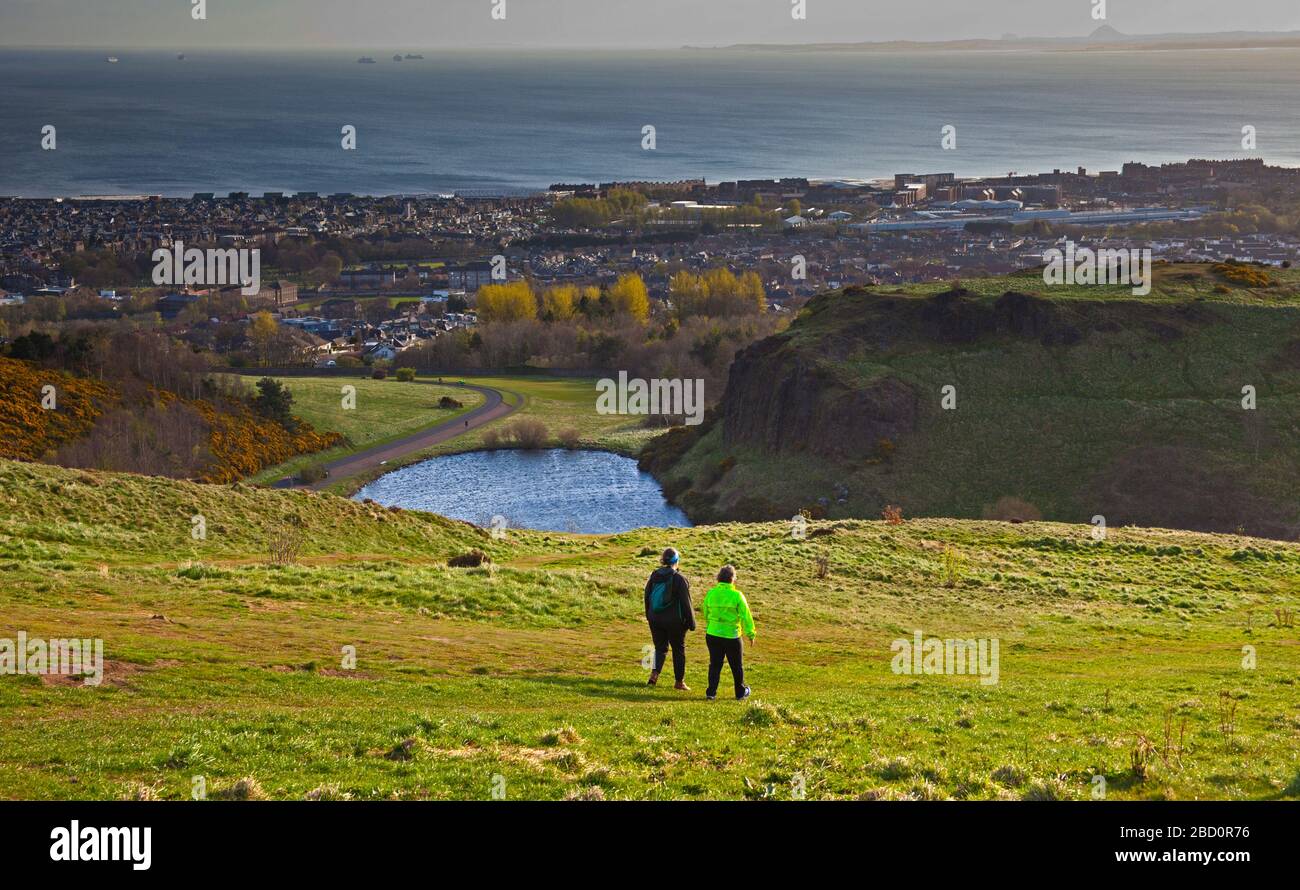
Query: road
{"points": [[493, 408]]}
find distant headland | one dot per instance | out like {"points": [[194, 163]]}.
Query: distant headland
{"points": [[1104, 39]]}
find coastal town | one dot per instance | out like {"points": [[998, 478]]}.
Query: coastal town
{"points": [[353, 278]]}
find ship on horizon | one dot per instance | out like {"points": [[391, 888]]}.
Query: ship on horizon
{"points": [[365, 60]]}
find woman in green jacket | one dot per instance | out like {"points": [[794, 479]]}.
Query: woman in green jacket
{"points": [[726, 614]]}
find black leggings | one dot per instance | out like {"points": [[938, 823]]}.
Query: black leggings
{"points": [[675, 636], [720, 648]]}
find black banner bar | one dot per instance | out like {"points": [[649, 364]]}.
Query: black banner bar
{"points": [[218, 839]]}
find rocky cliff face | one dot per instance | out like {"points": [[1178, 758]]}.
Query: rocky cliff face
{"points": [[790, 405], [789, 395]]}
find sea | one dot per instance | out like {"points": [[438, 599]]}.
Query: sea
{"points": [[505, 122]]}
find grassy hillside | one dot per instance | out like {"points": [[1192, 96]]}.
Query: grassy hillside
{"points": [[125, 424], [1070, 403], [1121, 658], [385, 410]]}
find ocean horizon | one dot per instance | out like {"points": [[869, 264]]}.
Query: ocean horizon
{"points": [[261, 120]]}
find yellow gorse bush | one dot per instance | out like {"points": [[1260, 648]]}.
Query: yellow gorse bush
{"points": [[241, 442], [29, 431]]}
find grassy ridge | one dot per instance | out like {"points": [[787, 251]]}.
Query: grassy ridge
{"points": [[223, 666], [1172, 283]]}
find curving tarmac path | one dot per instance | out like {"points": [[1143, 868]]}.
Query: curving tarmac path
{"points": [[493, 408]]}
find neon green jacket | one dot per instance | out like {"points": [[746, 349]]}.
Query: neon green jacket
{"points": [[726, 611]]}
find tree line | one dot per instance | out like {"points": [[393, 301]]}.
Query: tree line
{"points": [[714, 293]]}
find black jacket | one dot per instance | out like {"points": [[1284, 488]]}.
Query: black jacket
{"points": [[684, 614]]}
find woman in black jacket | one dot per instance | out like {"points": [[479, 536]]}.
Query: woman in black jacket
{"points": [[670, 615]]}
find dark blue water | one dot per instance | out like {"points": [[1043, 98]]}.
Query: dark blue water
{"points": [[591, 492], [266, 121]]}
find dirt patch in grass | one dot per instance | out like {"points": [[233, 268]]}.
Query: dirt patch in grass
{"points": [[537, 758], [115, 674]]}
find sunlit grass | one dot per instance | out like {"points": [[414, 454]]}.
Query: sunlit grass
{"points": [[530, 667]]}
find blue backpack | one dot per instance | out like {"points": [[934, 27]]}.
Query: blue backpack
{"points": [[661, 594]]}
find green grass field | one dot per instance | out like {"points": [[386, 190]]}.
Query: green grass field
{"points": [[570, 403], [313, 304], [385, 410], [1121, 658]]}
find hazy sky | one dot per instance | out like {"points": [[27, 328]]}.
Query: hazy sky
{"points": [[380, 24]]}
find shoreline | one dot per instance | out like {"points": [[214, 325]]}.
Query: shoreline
{"points": [[506, 192]]}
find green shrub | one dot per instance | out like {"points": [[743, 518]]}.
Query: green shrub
{"points": [[313, 473], [528, 433], [471, 560]]}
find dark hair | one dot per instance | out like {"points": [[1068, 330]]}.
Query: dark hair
{"points": [[727, 573], [670, 556]]}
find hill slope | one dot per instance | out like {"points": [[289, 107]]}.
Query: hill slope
{"points": [[1089, 403], [128, 425], [221, 665]]}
